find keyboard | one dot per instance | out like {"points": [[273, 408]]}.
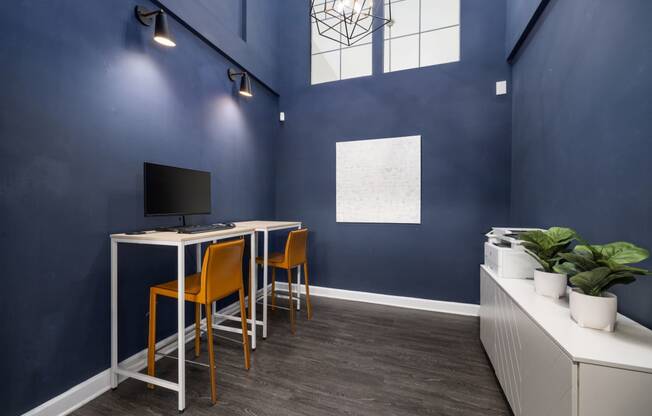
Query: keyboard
{"points": [[194, 229]]}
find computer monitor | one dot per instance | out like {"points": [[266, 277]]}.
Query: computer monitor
{"points": [[176, 191]]}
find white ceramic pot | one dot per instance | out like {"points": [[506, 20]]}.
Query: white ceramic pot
{"points": [[597, 312], [552, 285]]}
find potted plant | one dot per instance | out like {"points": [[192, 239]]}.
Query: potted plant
{"points": [[546, 246], [593, 270]]}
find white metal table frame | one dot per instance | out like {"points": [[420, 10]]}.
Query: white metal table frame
{"points": [[196, 239], [265, 227]]}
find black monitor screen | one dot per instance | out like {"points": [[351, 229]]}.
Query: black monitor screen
{"points": [[176, 191]]}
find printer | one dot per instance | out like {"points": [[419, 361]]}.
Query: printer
{"points": [[505, 256]]}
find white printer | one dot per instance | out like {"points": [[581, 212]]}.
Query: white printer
{"points": [[505, 256]]}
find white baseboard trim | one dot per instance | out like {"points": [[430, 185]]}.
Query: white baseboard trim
{"points": [[456, 308], [74, 398], [86, 391]]}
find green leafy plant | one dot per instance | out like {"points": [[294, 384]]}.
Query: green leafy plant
{"points": [[596, 268], [546, 246]]}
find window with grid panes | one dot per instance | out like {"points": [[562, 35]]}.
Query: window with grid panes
{"points": [[423, 33], [332, 61]]}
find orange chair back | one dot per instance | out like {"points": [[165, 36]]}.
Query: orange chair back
{"points": [[221, 272], [296, 247]]}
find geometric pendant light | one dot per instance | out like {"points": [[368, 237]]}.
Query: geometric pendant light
{"points": [[348, 21]]}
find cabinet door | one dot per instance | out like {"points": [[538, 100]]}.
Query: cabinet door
{"points": [[487, 322], [546, 372], [606, 391], [508, 350]]}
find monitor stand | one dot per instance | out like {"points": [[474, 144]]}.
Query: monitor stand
{"points": [[174, 228]]}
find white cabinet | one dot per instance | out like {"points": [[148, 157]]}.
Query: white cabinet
{"points": [[534, 373], [548, 366]]}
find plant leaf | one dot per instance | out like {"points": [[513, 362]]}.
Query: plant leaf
{"points": [[633, 270], [543, 263], [545, 246], [616, 267], [537, 239], [593, 281], [622, 252], [566, 268], [586, 247], [561, 235], [622, 280], [583, 260]]}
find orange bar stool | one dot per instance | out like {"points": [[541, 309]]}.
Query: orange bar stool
{"points": [[221, 276], [294, 256]]}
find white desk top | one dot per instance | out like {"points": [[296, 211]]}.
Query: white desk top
{"points": [[269, 225], [172, 238], [176, 238], [629, 347]]}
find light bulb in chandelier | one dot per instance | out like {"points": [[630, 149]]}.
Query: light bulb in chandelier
{"points": [[352, 6]]}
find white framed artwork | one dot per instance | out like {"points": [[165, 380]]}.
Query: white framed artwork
{"points": [[379, 180]]}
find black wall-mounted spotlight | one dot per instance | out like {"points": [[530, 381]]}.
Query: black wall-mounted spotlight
{"points": [[161, 30], [245, 82]]}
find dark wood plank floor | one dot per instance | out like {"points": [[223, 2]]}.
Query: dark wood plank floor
{"points": [[351, 359]]}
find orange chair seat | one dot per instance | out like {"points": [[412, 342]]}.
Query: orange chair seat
{"points": [[170, 289], [272, 259]]}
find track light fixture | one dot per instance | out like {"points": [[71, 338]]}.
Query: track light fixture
{"points": [[161, 30], [245, 82]]}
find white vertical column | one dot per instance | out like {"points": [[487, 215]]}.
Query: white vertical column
{"points": [[114, 314], [198, 264], [298, 291], [198, 257], [253, 282], [181, 329], [214, 304], [265, 257]]}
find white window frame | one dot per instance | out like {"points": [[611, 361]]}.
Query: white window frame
{"points": [[387, 40], [368, 42]]}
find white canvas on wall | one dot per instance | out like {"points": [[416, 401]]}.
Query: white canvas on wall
{"points": [[379, 181]]}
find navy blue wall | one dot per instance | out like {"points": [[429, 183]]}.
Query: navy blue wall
{"points": [[465, 132], [220, 23], [582, 128], [86, 98], [521, 17]]}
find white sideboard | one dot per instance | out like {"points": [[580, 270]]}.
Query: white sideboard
{"points": [[547, 365]]}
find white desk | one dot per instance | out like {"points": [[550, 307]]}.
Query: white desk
{"points": [[180, 241], [266, 227]]}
